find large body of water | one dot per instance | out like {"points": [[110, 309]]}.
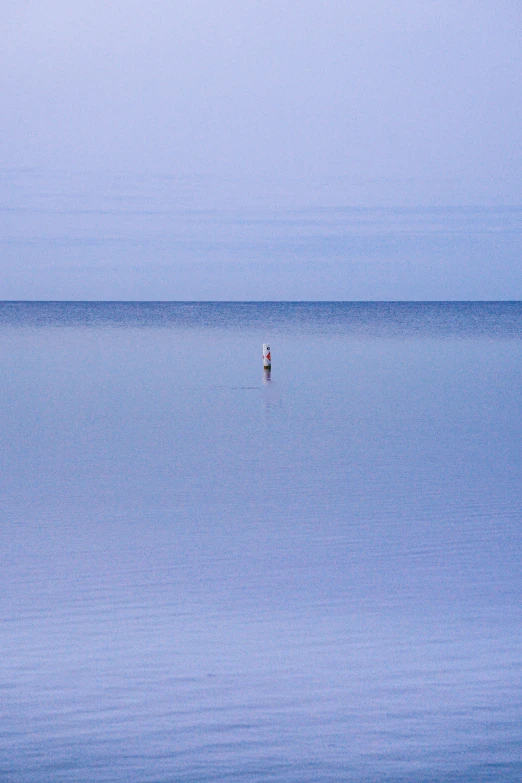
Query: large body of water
{"points": [[210, 574]]}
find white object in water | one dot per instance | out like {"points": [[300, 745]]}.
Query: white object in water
{"points": [[267, 359]]}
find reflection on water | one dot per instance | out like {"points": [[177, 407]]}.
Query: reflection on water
{"points": [[195, 590]]}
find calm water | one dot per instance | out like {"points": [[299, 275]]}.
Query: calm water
{"points": [[209, 574]]}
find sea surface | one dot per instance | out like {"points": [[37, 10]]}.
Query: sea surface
{"points": [[214, 573]]}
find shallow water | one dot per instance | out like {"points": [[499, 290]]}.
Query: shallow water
{"points": [[209, 574]]}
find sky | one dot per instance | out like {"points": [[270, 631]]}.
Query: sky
{"points": [[271, 105]]}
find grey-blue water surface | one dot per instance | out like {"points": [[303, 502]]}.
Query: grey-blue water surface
{"points": [[211, 574]]}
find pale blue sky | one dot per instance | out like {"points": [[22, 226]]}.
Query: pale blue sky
{"points": [[270, 105]]}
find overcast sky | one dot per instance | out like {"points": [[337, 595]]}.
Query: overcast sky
{"points": [[391, 102]]}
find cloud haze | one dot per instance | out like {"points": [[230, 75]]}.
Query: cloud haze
{"points": [[266, 105], [246, 89]]}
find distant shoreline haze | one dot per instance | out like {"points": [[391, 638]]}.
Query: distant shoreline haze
{"points": [[92, 237]]}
